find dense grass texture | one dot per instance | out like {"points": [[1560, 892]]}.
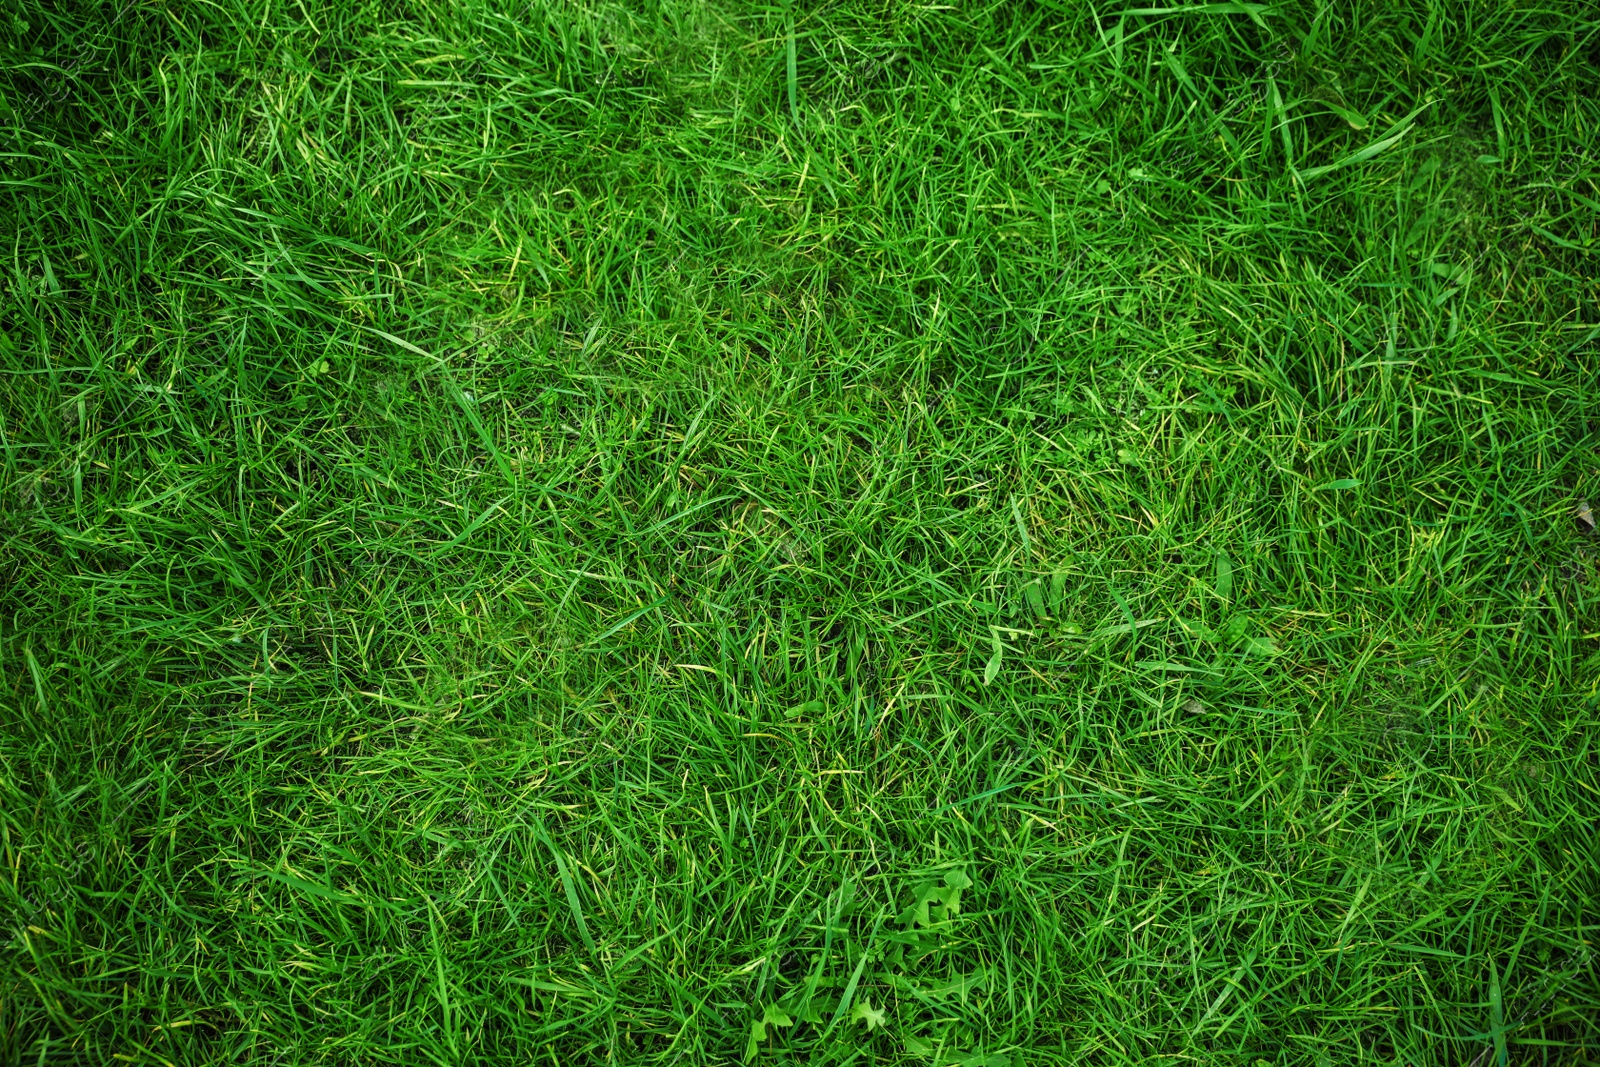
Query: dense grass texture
{"points": [[683, 531]]}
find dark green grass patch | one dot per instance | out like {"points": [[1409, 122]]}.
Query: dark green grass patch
{"points": [[858, 533]]}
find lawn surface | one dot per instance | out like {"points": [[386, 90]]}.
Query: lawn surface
{"points": [[692, 532]]}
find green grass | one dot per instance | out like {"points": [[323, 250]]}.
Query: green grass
{"points": [[652, 533]]}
